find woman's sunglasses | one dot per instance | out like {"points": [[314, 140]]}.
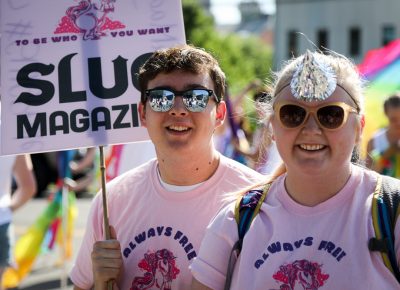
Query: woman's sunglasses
{"points": [[331, 116], [195, 100]]}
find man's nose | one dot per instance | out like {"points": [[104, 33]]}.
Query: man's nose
{"points": [[178, 109]]}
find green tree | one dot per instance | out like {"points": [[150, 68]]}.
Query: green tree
{"points": [[242, 58]]}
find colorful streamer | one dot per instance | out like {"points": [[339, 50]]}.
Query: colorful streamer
{"points": [[381, 67], [45, 231]]}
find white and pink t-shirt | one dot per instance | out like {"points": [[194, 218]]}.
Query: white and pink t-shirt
{"points": [[290, 246], [159, 231]]}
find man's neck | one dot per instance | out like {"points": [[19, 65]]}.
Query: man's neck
{"points": [[181, 170]]}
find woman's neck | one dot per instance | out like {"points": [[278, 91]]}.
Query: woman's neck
{"points": [[312, 190]]}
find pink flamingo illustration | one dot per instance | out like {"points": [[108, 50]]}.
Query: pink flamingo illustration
{"points": [[85, 18]]}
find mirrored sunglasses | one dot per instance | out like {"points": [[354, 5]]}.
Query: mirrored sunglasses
{"points": [[195, 100], [331, 116]]}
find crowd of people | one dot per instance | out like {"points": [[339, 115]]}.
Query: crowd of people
{"points": [[174, 219]]}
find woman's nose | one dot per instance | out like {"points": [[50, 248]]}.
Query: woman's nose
{"points": [[311, 125]]}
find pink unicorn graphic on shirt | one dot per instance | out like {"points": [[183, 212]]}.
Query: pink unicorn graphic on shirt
{"points": [[160, 271], [303, 273], [88, 17]]}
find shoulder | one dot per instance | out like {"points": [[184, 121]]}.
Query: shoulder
{"points": [[362, 174], [135, 173], [235, 168], [123, 189], [370, 179], [132, 179]]}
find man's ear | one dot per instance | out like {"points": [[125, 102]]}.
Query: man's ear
{"points": [[221, 113], [142, 114]]}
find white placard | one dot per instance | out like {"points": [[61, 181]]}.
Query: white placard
{"points": [[68, 69]]}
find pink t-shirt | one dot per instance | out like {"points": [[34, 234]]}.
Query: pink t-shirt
{"points": [[159, 231], [290, 246]]}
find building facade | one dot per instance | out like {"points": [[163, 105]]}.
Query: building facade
{"points": [[255, 22], [349, 27], [206, 4]]}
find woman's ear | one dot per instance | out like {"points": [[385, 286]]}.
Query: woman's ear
{"points": [[360, 128], [362, 122]]}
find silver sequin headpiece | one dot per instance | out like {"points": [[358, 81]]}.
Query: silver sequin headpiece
{"points": [[313, 80]]}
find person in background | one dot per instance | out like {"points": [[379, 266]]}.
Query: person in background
{"points": [[45, 170], [83, 167], [262, 154], [159, 211], [314, 226], [231, 135], [20, 168], [384, 146]]}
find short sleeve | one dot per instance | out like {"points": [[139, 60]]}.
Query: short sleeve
{"points": [[210, 266], [81, 273]]}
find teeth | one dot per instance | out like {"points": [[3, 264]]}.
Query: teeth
{"points": [[311, 147], [178, 128]]}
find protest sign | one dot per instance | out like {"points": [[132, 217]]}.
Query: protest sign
{"points": [[68, 69]]}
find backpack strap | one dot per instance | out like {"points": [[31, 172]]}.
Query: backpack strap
{"points": [[385, 210], [246, 209]]}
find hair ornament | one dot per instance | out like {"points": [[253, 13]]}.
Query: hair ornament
{"points": [[313, 79]]}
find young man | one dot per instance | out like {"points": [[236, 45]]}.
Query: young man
{"points": [[159, 211], [384, 147]]}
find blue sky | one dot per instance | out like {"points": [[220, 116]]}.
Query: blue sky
{"points": [[226, 12]]}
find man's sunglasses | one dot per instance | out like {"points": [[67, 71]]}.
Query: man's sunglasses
{"points": [[195, 100], [331, 116]]}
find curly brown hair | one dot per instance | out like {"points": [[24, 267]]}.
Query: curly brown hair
{"points": [[184, 57]]}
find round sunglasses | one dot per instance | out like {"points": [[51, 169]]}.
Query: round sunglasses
{"points": [[195, 100], [330, 116]]}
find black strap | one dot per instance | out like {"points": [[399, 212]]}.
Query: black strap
{"points": [[231, 263]]}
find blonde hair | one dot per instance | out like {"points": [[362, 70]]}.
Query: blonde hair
{"points": [[348, 78], [346, 72]]}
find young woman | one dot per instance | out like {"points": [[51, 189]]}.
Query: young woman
{"points": [[313, 228]]}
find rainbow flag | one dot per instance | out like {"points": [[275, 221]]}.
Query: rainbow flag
{"points": [[45, 231], [381, 67], [30, 244]]}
